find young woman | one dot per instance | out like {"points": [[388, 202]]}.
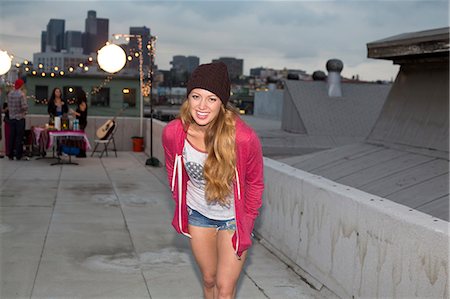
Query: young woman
{"points": [[215, 167], [81, 114], [56, 106], [82, 109]]}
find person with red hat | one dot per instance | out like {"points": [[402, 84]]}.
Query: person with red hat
{"points": [[18, 108], [214, 164]]}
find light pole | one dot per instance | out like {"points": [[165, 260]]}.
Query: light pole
{"points": [[141, 76], [110, 60], [152, 161]]}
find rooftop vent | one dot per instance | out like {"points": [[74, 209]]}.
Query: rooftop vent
{"points": [[319, 76], [334, 68]]}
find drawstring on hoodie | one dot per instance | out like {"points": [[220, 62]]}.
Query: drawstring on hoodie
{"points": [[178, 171]]}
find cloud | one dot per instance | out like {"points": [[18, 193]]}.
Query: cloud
{"points": [[278, 34]]}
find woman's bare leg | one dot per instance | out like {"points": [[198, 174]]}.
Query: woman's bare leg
{"points": [[229, 267], [204, 248]]}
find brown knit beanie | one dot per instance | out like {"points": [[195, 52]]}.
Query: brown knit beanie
{"points": [[212, 77]]}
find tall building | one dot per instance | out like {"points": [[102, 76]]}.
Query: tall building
{"points": [[43, 41], [96, 33], [55, 35], [182, 67], [73, 42], [191, 63], [235, 66], [144, 32]]}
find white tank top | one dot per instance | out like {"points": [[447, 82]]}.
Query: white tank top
{"points": [[194, 160]]}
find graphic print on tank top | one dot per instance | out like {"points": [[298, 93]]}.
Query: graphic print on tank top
{"points": [[194, 161]]}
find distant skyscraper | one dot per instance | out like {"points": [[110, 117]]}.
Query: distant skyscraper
{"points": [[55, 35], [43, 41], [73, 42], [96, 33], [256, 72], [191, 63], [133, 45], [182, 67], [235, 66]]}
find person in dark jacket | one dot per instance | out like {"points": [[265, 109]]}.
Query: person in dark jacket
{"points": [[81, 114], [56, 105], [82, 109]]}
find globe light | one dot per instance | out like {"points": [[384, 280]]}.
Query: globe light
{"points": [[5, 62], [111, 58]]}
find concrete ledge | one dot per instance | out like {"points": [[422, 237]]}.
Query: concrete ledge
{"points": [[355, 243]]}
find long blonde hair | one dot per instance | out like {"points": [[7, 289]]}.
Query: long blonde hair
{"points": [[220, 145]]}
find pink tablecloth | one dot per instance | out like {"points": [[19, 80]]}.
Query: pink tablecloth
{"points": [[67, 134]]}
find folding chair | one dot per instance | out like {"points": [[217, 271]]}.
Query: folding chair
{"points": [[106, 142]]}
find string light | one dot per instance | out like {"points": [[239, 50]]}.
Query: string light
{"points": [[59, 71]]}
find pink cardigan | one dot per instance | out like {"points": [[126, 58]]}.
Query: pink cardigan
{"points": [[248, 185]]}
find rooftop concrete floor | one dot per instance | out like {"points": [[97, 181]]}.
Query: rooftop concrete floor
{"points": [[102, 229]]}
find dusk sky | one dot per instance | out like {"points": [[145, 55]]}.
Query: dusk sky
{"points": [[275, 34]]}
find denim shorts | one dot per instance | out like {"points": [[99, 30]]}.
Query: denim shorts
{"points": [[197, 219]]}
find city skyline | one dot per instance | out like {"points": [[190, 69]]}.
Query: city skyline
{"points": [[294, 35]]}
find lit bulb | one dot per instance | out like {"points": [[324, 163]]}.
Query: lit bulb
{"points": [[52, 74], [27, 69], [70, 89], [5, 62], [56, 68], [90, 59], [25, 62], [136, 54], [70, 69], [129, 58], [43, 74], [80, 65], [17, 65], [86, 68], [41, 65], [111, 58], [61, 73]]}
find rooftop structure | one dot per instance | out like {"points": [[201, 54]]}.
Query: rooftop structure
{"points": [[405, 156]]}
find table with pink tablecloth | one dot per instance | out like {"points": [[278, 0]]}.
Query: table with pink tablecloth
{"points": [[64, 135]]}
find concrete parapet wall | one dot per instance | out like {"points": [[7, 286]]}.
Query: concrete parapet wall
{"points": [[356, 244]]}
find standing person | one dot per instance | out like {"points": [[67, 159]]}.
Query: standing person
{"points": [[6, 127], [81, 115], [82, 109], [215, 167], [18, 108], [56, 106]]}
